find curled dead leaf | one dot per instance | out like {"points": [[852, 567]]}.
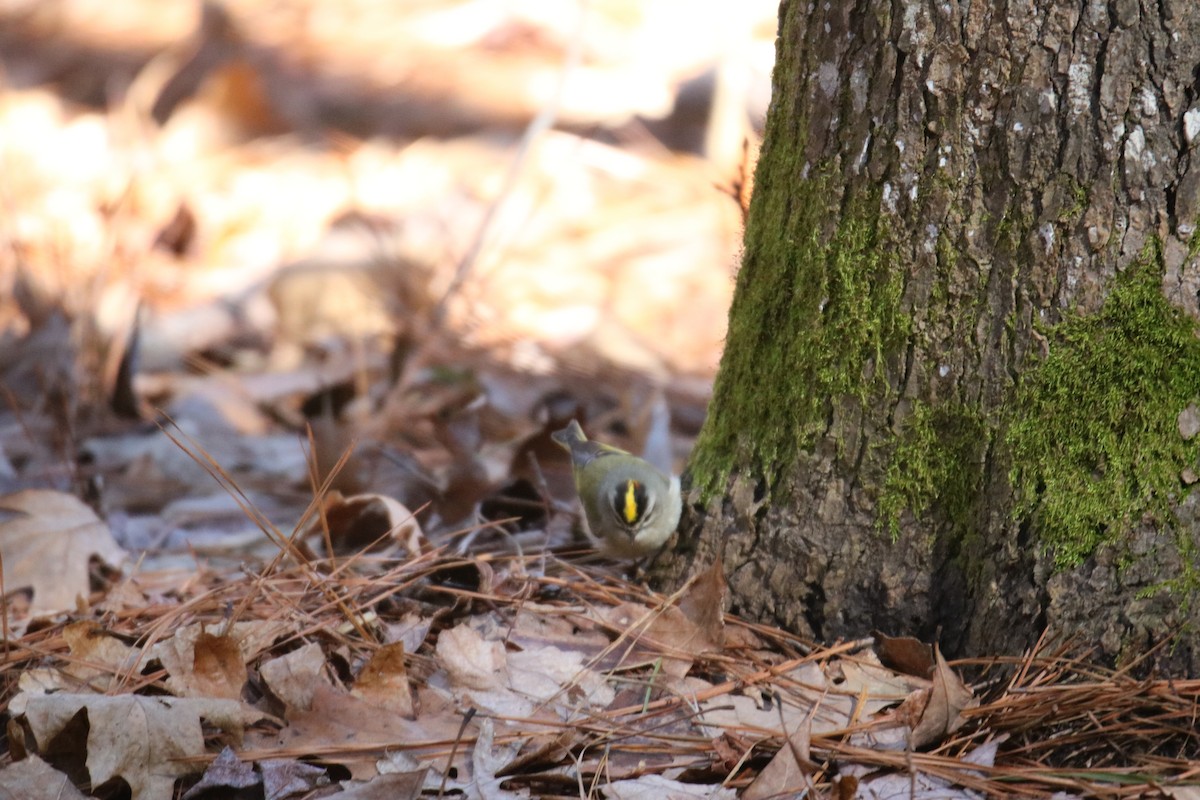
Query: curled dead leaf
{"points": [[904, 654], [948, 697], [211, 661], [368, 521]]}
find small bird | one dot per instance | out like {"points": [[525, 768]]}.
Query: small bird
{"points": [[631, 507]]}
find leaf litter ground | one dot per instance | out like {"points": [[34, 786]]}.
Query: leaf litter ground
{"points": [[508, 676], [221, 306]]}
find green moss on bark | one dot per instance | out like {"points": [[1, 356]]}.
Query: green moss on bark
{"points": [[816, 309], [938, 460], [812, 317], [1093, 435]]}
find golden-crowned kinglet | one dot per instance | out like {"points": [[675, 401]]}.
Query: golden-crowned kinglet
{"points": [[628, 503]]}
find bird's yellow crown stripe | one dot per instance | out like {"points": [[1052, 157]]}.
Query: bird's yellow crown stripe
{"points": [[632, 512]]}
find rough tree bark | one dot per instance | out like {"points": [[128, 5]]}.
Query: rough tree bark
{"points": [[959, 390]]}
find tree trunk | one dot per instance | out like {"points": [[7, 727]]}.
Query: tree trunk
{"points": [[958, 396]]}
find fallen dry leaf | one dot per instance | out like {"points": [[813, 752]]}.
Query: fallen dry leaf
{"points": [[217, 668], [410, 631], [226, 771], [518, 684], [873, 685], [904, 654], [284, 777], [97, 657], [337, 718], [34, 779], [541, 673], [729, 750], [537, 625], [869, 782], [704, 604], [208, 662], [542, 752], [656, 787], [806, 687], [947, 698], [655, 633], [144, 740], [470, 660], [123, 595], [364, 521], [47, 544], [384, 681], [487, 759], [38, 682], [789, 770], [293, 678], [393, 786], [913, 787]]}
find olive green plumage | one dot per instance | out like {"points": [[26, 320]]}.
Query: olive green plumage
{"points": [[631, 507]]}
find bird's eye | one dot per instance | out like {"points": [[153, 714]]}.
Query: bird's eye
{"points": [[630, 502]]}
